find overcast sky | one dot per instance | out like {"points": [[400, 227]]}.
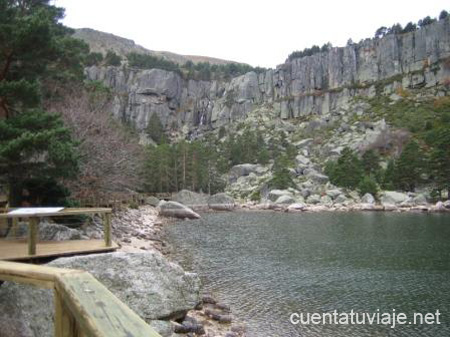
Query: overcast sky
{"points": [[260, 33]]}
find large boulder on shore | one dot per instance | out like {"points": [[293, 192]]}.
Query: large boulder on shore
{"points": [[176, 210], [191, 199], [275, 194], [285, 200], [368, 199], [152, 201], [48, 232], [221, 202], [393, 198], [149, 284]]}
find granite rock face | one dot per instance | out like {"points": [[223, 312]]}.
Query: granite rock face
{"points": [[150, 285], [317, 84]]}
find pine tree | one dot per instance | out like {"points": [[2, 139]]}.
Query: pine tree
{"points": [[409, 167], [155, 130], [371, 163], [347, 171], [34, 48]]}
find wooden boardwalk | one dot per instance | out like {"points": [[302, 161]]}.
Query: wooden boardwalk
{"points": [[17, 250]]}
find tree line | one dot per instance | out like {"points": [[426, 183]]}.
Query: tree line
{"points": [[202, 165], [189, 70], [380, 32]]}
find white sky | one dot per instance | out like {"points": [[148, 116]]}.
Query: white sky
{"points": [[260, 33]]}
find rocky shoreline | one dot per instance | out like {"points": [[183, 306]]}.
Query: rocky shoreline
{"points": [[176, 311]]}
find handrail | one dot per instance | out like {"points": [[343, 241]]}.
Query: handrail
{"points": [[83, 306]]}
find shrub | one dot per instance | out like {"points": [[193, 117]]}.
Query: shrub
{"points": [[112, 59], [368, 184], [256, 196]]}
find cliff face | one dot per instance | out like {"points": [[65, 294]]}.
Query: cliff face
{"points": [[320, 84]]}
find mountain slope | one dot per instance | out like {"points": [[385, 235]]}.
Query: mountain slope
{"points": [[102, 42]]}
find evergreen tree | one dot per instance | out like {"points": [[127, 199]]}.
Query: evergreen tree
{"points": [[440, 158], [371, 163], [409, 167], [34, 145], [368, 184], [34, 48], [155, 130], [388, 180], [112, 59], [347, 171], [281, 176]]}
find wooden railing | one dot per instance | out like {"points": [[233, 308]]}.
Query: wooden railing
{"points": [[83, 306]]}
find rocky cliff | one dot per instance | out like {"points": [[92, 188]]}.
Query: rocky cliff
{"points": [[320, 84]]}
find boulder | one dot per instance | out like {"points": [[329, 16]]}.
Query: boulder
{"points": [[367, 207], [340, 199], [152, 201], [48, 232], [317, 177], [313, 199], [302, 161], [189, 198], [243, 170], [149, 284], [304, 143], [296, 207], [446, 204], [333, 194], [439, 207], [176, 210], [275, 194], [221, 202], [326, 200], [368, 199], [420, 199], [285, 200], [393, 198]]}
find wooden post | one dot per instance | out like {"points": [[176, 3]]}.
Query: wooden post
{"points": [[107, 229], [33, 235], [14, 226], [64, 322]]}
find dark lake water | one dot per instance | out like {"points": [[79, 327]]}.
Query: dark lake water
{"points": [[269, 265]]}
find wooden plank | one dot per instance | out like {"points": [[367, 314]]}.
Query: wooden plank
{"points": [[33, 235], [107, 229], [41, 276], [14, 250], [64, 212], [97, 311]]}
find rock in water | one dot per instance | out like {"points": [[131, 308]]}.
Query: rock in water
{"points": [[150, 285], [221, 202], [176, 210]]}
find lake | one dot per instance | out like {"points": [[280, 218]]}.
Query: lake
{"points": [[268, 265]]}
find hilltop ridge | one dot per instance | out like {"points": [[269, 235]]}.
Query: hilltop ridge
{"points": [[101, 42]]}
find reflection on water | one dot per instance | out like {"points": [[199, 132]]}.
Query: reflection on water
{"points": [[269, 265]]}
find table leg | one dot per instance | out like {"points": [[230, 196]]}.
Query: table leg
{"points": [[33, 235]]}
